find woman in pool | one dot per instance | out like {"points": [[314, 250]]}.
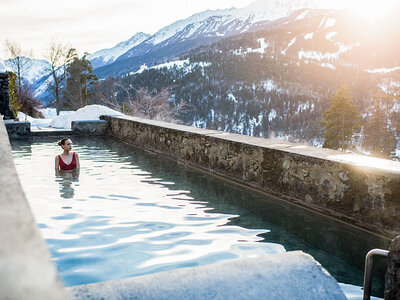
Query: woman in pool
{"points": [[67, 160]]}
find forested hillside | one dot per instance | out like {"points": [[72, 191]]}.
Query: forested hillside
{"points": [[277, 82]]}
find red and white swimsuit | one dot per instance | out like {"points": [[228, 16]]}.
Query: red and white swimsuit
{"points": [[70, 166]]}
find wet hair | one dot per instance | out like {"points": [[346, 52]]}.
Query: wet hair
{"points": [[62, 142]]}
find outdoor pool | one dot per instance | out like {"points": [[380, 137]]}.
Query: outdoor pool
{"points": [[129, 212]]}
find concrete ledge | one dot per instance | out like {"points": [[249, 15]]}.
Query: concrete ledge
{"points": [[92, 127], [360, 190], [26, 269], [17, 129], [291, 275]]}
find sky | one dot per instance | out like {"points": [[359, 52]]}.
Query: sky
{"points": [[92, 25]]}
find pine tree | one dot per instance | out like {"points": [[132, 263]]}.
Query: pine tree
{"points": [[379, 134], [80, 79], [341, 120]]}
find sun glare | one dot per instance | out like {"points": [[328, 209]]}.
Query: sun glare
{"points": [[371, 9]]}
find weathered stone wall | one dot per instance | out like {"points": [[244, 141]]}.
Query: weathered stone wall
{"points": [[392, 278], [91, 127], [18, 129], [4, 97], [357, 189]]}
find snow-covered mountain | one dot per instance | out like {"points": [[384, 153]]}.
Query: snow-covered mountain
{"points": [[201, 29], [108, 56], [33, 69]]}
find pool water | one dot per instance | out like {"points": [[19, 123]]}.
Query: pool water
{"points": [[129, 212]]}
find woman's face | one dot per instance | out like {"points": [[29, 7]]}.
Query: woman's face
{"points": [[67, 145]]}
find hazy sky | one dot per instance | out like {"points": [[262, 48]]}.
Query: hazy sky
{"points": [[91, 25]]}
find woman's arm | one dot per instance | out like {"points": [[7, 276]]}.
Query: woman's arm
{"points": [[78, 164], [57, 163]]}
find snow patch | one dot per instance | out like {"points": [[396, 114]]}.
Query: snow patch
{"points": [[90, 112], [171, 64], [383, 70], [231, 97], [322, 22], [289, 45], [330, 23], [269, 85], [330, 35], [302, 15], [272, 115], [327, 65], [263, 46], [309, 36], [3, 68]]}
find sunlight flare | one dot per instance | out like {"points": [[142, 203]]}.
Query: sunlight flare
{"points": [[370, 9]]}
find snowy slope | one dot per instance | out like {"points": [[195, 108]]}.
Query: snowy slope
{"points": [[33, 70], [107, 56], [201, 29], [261, 10]]}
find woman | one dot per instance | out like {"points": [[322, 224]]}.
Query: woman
{"points": [[67, 160]]}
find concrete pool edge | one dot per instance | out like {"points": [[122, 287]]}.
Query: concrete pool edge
{"points": [[27, 271], [327, 181], [289, 275]]}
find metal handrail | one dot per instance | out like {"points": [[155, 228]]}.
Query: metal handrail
{"points": [[369, 263]]}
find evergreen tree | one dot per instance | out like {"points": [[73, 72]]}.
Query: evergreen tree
{"points": [[80, 79], [341, 120], [379, 135]]}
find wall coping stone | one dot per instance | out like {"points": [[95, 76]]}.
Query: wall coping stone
{"points": [[290, 275]]}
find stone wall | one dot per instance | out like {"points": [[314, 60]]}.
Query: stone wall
{"points": [[4, 97], [91, 127], [392, 278], [18, 129], [359, 190]]}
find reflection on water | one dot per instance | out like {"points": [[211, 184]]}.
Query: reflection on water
{"points": [[67, 180], [131, 213]]}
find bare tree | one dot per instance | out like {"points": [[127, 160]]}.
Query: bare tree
{"points": [[29, 104], [18, 59], [152, 105], [59, 56], [105, 93]]}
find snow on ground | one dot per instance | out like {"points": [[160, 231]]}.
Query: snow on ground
{"points": [[168, 65], [64, 119], [269, 85], [263, 46], [383, 70], [34, 122], [330, 35], [330, 22], [289, 45], [316, 55], [302, 15], [48, 113], [322, 22], [90, 112], [309, 36], [353, 292], [3, 68]]}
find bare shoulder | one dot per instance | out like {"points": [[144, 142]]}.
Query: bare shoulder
{"points": [[56, 157], [76, 154]]}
